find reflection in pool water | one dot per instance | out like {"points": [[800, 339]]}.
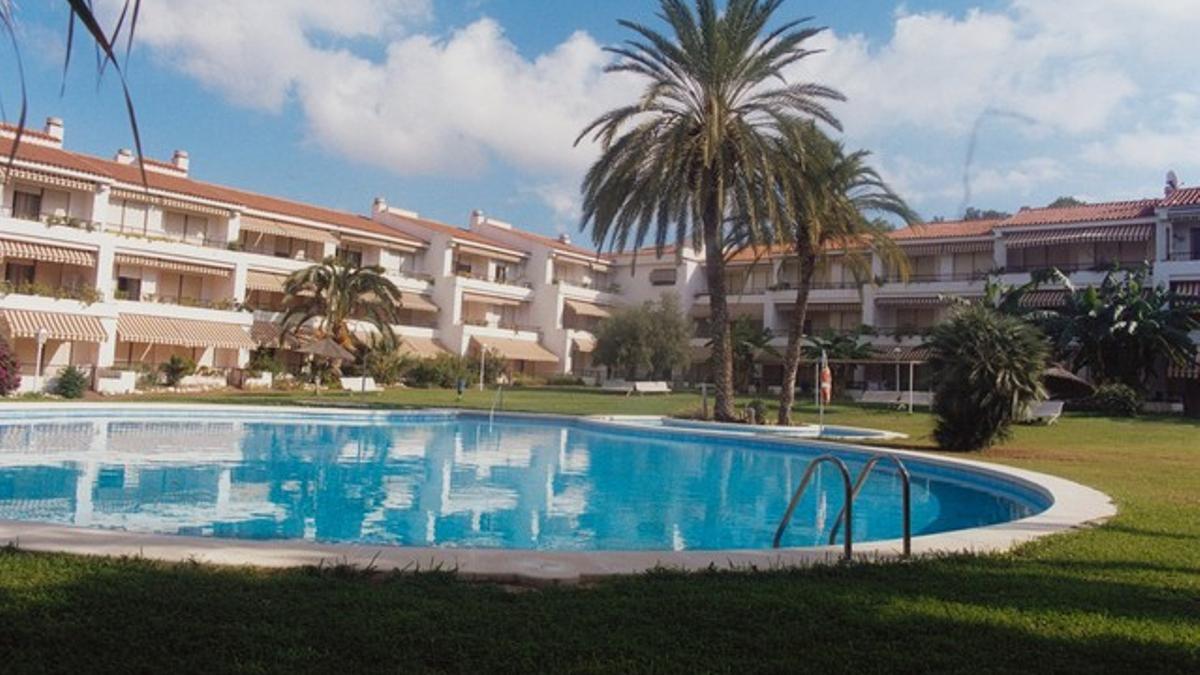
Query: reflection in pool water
{"points": [[444, 480]]}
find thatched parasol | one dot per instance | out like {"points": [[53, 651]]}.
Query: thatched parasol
{"points": [[327, 348], [1062, 383]]}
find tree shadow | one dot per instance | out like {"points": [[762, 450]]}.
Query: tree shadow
{"points": [[65, 613]]}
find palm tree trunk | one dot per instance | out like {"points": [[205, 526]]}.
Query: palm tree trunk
{"points": [[722, 339], [791, 361]]}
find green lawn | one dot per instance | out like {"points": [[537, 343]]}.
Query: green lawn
{"points": [[1122, 597]]}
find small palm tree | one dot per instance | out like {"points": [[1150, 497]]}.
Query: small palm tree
{"points": [[987, 371], [833, 198], [1123, 329], [841, 348], [693, 156], [326, 296]]}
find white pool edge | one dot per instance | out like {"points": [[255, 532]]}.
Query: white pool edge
{"points": [[1074, 506]]}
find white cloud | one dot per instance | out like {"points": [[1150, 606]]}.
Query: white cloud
{"points": [[1089, 82]]}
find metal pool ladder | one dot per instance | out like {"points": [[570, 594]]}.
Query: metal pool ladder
{"points": [[497, 402], [846, 515]]}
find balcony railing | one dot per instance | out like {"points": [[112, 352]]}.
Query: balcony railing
{"points": [[1106, 266], [55, 221], [503, 325], [593, 285], [901, 331], [939, 278], [224, 304], [816, 286], [204, 241], [85, 294], [1183, 256], [520, 283]]}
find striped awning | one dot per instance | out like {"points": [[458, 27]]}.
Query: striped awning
{"points": [[422, 347], [1188, 288], [24, 323], [1044, 299], [1184, 372], [1080, 235], [23, 250], [925, 301], [918, 354], [140, 196], [397, 244], [516, 350], [46, 178], [588, 309], [170, 265], [484, 252], [417, 303], [815, 305], [159, 330], [490, 300], [282, 229], [264, 281], [948, 248], [584, 344]]}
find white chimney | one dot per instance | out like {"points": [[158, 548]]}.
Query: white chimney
{"points": [[1172, 184], [564, 238], [477, 218], [379, 206], [181, 160], [124, 156], [54, 128]]}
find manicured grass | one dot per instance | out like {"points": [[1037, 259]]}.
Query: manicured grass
{"points": [[1122, 597]]}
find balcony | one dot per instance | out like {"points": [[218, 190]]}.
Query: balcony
{"points": [[55, 221], [898, 332], [1101, 267], [203, 241], [591, 285], [960, 277], [521, 283], [85, 294], [503, 324], [1183, 256], [223, 304]]}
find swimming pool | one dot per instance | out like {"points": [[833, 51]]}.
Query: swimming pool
{"points": [[456, 480]]}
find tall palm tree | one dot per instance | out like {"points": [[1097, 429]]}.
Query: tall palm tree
{"points": [[326, 296], [693, 154], [834, 197]]}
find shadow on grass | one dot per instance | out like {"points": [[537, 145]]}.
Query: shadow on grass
{"points": [[65, 613]]}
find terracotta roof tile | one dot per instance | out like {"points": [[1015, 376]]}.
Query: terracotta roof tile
{"points": [[31, 133], [948, 229], [1183, 197], [1088, 213], [555, 243], [456, 232], [131, 174]]}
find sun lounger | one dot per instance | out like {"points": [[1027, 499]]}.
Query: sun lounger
{"points": [[652, 387], [1046, 412]]}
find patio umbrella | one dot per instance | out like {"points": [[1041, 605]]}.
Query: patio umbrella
{"points": [[326, 348], [1062, 383]]}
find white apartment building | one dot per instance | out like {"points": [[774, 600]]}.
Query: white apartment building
{"points": [[118, 276]]}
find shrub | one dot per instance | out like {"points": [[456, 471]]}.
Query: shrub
{"points": [[523, 380], [444, 370], [987, 372], [389, 367], [176, 368], [565, 381], [72, 383], [759, 409], [1116, 400], [264, 361], [10, 370]]}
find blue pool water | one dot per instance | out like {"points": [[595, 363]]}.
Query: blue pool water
{"points": [[440, 479]]}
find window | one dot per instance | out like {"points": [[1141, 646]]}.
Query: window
{"points": [[129, 288], [27, 205], [283, 247], [463, 268], [18, 273], [501, 275], [663, 277], [351, 256]]}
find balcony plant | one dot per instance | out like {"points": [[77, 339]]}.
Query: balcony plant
{"points": [[10, 369]]}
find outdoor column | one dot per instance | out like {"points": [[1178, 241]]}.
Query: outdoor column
{"points": [[999, 253], [106, 352]]}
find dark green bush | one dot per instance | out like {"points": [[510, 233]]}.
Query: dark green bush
{"points": [[444, 370], [565, 381], [72, 383], [1116, 400], [176, 368], [759, 408], [10, 370], [987, 372]]}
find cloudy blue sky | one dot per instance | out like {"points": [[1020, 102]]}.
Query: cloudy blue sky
{"points": [[446, 106]]}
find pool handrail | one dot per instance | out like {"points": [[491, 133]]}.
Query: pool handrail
{"points": [[847, 513], [906, 506]]}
